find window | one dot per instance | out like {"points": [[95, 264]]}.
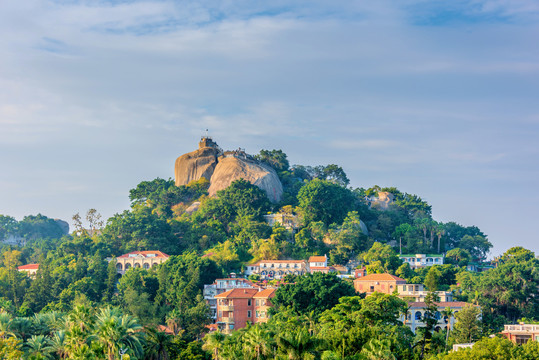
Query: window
{"points": [[248, 313], [257, 314], [418, 315], [257, 302], [249, 303]]}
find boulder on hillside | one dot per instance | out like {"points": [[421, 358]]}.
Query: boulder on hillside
{"points": [[197, 164], [222, 168], [231, 168]]}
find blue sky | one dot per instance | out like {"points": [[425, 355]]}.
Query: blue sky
{"points": [[438, 98]]}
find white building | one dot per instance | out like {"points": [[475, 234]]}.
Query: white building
{"points": [[277, 269], [417, 292], [416, 312], [422, 260]]}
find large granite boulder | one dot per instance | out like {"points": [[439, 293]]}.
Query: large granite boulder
{"points": [[222, 168], [195, 165], [231, 168]]}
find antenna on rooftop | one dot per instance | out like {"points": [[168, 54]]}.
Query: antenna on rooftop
{"points": [[207, 135]]}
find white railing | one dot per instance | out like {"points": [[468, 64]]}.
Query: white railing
{"points": [[524, 327]]}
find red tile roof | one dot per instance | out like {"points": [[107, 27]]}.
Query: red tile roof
{"points": [[379, 277], [317, 259], [157, 253], [29, 267], [266, 293], [245, 293]]}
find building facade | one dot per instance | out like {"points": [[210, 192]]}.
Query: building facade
{"points": [[414, 317], [417, 292], [422, 260], [383, 283], [30, 269], [140, 259], [522, 333], [277, 269], [238, 307], [220, 286]]}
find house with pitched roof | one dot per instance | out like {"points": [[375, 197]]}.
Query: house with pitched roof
{"points": [[140, 259], [30, 269], [238, 307], [384, 283]]}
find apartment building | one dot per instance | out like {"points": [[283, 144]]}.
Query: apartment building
{"points": [[220, 286], [238, 307]]}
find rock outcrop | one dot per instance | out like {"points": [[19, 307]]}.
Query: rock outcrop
{"points": [[197, 164], [231, 168], [222, 168]]}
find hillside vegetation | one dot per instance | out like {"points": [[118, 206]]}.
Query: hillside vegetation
{"points": [[76, 303]]}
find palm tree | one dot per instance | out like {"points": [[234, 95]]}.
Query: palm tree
{"points": [[57, 344], [21, 327], [214, 342], [256, 340], [115, 331], [157, 344], [449, 313], [5, 320], [297, 344], [378, 350], [38, 345]]}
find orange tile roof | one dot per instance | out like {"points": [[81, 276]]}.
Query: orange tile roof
{"points": [[245, 293], [379, 277], [444, 304], [317, 259], [29, 267], [266, 293], [158, 254]]}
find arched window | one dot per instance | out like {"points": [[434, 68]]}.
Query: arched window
{"points": [[119, 267], [263, 273], [127, 266], [137, 265], [145, 266], [418, 315]]}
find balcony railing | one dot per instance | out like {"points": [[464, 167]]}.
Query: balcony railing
{"points": [[227, 320], [226, 308], [522, 328]]}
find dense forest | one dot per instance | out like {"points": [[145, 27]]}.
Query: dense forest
{"points": [[77, 307]]}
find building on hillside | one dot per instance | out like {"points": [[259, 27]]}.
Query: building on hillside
{"points": [[360, 272], [220, 286], [422, 260], [522, 333], [320, 264], [288, 221], [277, 269], [29, 269], [384, 283], [238, 307], [140, 259], [416, 311], [263, 304], [417, 292]]}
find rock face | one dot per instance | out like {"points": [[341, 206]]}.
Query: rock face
{"points": [[230, 168], [222, 168], [197, 164]]}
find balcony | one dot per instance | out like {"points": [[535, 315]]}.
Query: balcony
{"points": [[226, 320], [226, 308], [526, 328]]}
